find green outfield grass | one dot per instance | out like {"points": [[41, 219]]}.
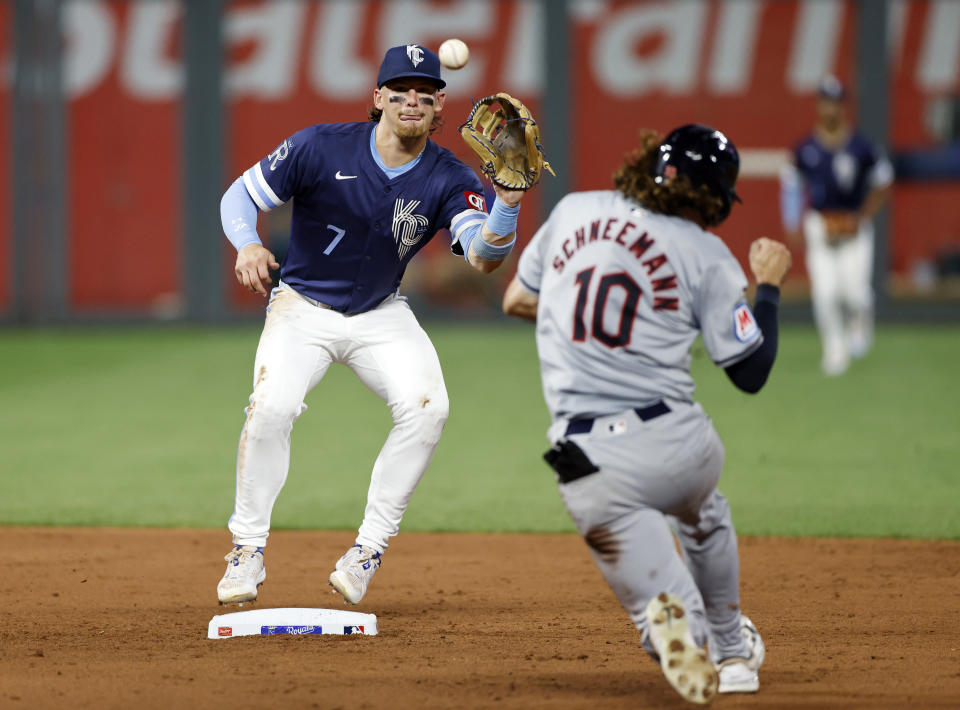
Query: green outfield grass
{"points": [[139, 427]]}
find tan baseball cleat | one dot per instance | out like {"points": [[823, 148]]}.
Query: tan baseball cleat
{"points": [[685, 665]]}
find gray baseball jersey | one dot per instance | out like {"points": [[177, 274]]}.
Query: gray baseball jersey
{"points": [[623, 293]]}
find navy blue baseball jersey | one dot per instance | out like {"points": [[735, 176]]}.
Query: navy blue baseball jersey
{"points": [[356, 224], [842, 179]]}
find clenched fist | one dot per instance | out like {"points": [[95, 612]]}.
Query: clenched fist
{"points": [[770, 261], [253, 266]]}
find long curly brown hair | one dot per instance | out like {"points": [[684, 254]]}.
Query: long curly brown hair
{"points": [[374, 114], [677, 196]]}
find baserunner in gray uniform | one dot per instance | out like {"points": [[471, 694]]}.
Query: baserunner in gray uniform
{"points": [[620, 283]]}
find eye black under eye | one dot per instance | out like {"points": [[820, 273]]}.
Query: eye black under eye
{"points": [[399, 99]]}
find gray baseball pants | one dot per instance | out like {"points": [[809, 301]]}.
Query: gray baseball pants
{"points": [[655, 487]]}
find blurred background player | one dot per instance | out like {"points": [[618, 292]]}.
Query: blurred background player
{"points": [[836, 185], [367, 196], [620, 283]]}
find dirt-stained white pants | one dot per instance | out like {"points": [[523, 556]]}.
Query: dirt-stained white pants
{"points": [[658, 479], [392, 356]]}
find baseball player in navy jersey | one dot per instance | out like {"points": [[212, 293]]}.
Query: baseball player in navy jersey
{"points": [[834, 187], [367, 196], [620, 283]]}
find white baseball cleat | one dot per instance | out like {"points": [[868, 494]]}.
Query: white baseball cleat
{"points": [[245, 573], [741, 675], [859, 336], [354, 571], [685, 665], [835, 363]]}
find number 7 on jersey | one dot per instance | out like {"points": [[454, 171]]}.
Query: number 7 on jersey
{"points": [[336, 240]]}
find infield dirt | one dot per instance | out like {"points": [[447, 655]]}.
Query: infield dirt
{"points": [[117, 618]]}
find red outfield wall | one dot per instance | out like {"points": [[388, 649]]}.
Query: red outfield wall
{"points": [[749, 68]]}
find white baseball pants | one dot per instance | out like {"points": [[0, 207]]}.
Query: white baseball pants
{"points": [[841, 291], [392, 356], [656, 479]]}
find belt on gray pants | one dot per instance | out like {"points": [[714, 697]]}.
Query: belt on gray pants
{"points": [[583, 426]]}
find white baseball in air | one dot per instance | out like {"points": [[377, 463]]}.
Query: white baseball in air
{"points": [[454, 54]]}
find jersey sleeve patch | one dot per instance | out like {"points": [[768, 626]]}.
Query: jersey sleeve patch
{"points": [[745, 326], [475, 200]]}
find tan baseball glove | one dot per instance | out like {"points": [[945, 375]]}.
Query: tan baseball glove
{"points": [[840, 224], [507, 141]]}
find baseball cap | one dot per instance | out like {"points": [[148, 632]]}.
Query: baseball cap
{"points": [[410, 60], [831, 88]]}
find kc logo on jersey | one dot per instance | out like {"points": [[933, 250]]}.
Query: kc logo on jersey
{"points": [[744, 324], [415, 54], [408, 228]]}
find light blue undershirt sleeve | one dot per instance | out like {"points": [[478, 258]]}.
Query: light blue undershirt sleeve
{"points": [[238, 216], [464, 227], [467, 235], [502, 221], [791, 198]]}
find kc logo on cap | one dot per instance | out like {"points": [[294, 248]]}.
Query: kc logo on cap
{"points": [[415, 54], [410, 60]]}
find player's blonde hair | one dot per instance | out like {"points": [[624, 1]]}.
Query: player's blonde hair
{"points": [[676, 197], [374, 114]]}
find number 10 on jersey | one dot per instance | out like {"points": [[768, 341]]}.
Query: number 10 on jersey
{"points": [[628, 312]]}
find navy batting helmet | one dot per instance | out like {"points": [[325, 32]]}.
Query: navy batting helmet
{"points": [[706, 156]]}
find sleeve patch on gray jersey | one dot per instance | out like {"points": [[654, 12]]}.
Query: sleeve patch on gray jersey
{"points": [[745, 326]]}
